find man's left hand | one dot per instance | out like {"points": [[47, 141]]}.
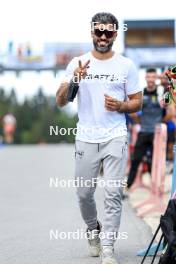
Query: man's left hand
{"points": [[112, 104]]}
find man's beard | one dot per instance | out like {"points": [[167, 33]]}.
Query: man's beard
{"points": [[102, 49]]}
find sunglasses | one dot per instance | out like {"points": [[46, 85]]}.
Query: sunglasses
{"points": [[99, 33], [172, 72], [173, 69]]}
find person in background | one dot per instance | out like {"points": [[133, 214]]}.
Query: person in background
{"points": [[9, 126], [151, 114]]}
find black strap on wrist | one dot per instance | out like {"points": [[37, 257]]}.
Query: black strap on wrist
{"points": [[72, 91]]}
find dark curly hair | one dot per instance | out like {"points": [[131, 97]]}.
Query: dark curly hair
{"points": [[105, 18], [149, 70]]}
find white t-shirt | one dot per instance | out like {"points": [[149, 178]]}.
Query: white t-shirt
{"points": [[116, 77]]}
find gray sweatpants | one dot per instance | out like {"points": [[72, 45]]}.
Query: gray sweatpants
{"points": [[113, 156]]}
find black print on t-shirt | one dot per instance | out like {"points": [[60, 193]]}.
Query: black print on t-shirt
{"points": [[109, 77], [106, 78]]}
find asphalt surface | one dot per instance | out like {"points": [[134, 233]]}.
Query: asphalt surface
{"points": [[40, 223]]}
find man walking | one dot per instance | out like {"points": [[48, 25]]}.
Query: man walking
{"points": [[108, 88]]}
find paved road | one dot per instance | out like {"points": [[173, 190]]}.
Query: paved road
{"points": [[31, 210]]}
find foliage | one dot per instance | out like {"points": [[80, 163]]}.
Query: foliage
{"points": [[34, 117]]}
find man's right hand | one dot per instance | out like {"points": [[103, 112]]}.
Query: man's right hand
{"points": [[81, 71]]}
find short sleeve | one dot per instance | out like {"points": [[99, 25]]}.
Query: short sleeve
{"points": [[132, 82], [70, 69]]}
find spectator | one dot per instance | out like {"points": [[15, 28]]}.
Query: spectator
{"points": [[152, 113], [9, 127]]}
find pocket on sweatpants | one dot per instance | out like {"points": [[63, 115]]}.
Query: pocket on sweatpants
{"points": [[79, 150], [118, 147]]}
